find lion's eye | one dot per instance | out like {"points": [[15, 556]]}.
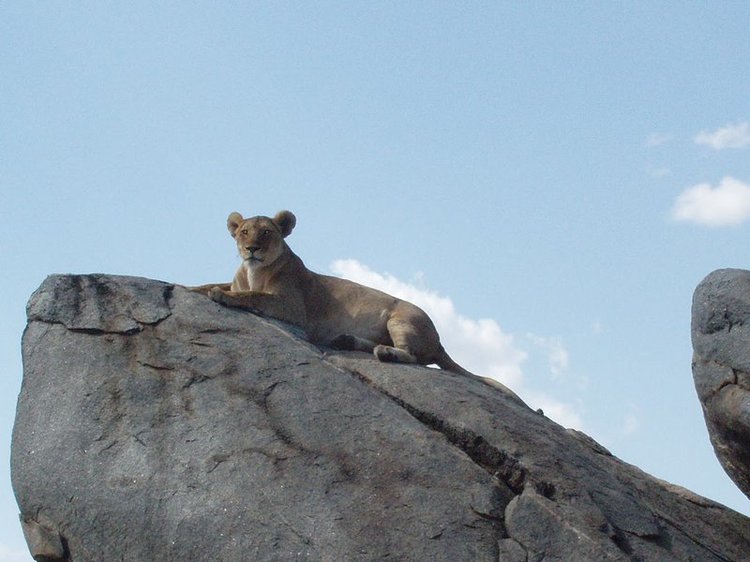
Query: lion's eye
{"points": [[265, 233], [244, 232]]}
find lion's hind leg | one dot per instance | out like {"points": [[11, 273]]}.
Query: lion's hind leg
{"points": [[413, 336], [405, 337], [385, 353]]}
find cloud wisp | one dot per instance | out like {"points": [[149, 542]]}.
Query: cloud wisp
{"points": [[557, 356], [481, 346], [658, 139], [733, 135], [727, 204]]}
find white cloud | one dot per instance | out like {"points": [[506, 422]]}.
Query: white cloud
{"points": [[481, 346], [557, 355], [726, 204], [657, 139], [731, 136], [631, 424], [632, 421]]}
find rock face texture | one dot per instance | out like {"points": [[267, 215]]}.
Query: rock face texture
{"points": [[155, 425], [721, 367]]}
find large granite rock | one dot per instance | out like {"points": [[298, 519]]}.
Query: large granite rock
{"points": [[721, 367], [155, 425]]}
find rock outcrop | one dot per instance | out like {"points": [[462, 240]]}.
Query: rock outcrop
{"points": [[155, 425], [721, 367]]}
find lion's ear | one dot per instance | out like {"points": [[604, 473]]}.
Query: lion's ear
{"points": [[233, 222], [285, 220]]}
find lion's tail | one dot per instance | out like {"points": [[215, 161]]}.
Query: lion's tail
{"points": [[445, 362]]}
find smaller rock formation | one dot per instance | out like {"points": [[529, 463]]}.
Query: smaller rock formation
{"points": [[721, 367]]}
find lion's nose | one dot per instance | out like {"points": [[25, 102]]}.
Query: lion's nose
{"points": [[252, 249]]}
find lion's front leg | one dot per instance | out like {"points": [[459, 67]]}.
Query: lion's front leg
{"points": [[226, 297], [273, 306], [206, 289]]}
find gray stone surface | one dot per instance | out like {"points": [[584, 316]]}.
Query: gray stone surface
{"points": [[155, 425], [721, 367]]}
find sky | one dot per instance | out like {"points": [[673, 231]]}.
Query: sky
{"points": [[549, 180]]}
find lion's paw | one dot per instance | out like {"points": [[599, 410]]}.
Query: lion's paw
{"points": [[386, 353], [389, 354], [218, 295], [344, 342]]}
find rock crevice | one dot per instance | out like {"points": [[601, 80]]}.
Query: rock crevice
{"points": [[496, 462]]}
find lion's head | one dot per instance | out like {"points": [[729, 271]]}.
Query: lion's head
{"points": [[260, 240]]}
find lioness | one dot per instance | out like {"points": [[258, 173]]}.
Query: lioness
{"points": [[333, 312]]}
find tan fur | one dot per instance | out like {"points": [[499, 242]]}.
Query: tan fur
{"points": [[334, 312]]}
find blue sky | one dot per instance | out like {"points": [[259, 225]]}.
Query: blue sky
{"points": [[550, 180]]}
